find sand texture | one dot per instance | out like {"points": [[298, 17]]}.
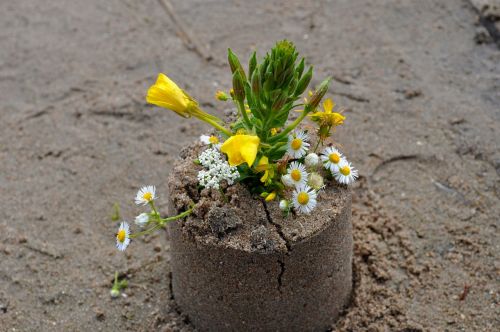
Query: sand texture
{"points": [[419, 82], [242, 266]]}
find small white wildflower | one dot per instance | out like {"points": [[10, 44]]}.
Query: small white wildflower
{"points": [[287, 180], [208, 140], [142, 219], [145, 195], [297, 146], [316, 181], [297, 173], [284, 206], [216, 169], [331, 157], [311, 160], [346, 174], [304, 199], [123, 236]]}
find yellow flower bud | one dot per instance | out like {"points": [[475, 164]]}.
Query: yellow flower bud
{"points": [[271, 196], [221, 95]]}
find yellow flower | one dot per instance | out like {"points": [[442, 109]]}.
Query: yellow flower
{"points": [[327, 117], [274, 131], [165, 93], [240, 149], [263, 166], [270, 197]]}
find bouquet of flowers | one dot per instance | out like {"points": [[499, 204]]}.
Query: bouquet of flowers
{"points": [[261, 149]]}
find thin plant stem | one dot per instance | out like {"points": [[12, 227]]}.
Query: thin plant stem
{"points": [[290, 127], [241, 108]]}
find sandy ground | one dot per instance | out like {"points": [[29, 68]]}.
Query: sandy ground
{"points": [[421, 84]]}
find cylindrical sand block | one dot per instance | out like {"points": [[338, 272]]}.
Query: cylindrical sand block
{"points": [[273, 274]]}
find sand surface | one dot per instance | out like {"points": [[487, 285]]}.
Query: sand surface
{"points": [[420, 82]]}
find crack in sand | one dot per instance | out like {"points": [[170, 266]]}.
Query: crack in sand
{"points": [[279, 230]]}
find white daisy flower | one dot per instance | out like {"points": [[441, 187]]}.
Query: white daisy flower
{"points": [[331, 158], [304, 199], [297, 146], [287, 180], [207, 140], [311, 160], [142, 220], [123, 236], [145, 195], [346, 174], [298, 173]]}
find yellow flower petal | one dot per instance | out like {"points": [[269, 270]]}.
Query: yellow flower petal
{"points": [[328, 105], [240, 149], [262, 164], [165, 93], [271, 196]]}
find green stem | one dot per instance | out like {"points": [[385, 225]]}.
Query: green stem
{"points": [[147, 231], [241, 108], [223, 195], [290, 127], [275, 147], [179, 216], [152, 204], [317, 145], [219, 127], [161, 222]]}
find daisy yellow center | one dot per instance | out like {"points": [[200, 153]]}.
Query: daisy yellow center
{"points": [[121, 235], [345, 170], [148, 196], [296, 143], [296, 175], [213, 139], [303, 198], [334, 158]]}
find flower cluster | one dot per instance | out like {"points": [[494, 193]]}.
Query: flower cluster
{"points": [[216, 169], [265, 151], [145, 196], [303, 175]]}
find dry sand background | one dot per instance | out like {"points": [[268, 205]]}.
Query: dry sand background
{"points": [[421, 84]]}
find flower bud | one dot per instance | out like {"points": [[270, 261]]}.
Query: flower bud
{"points": [[316, 181], [271, 196], [311, 160], [287, 180], [238, 86], [318, 94], [324, 132], [142, 220], [284, 205], [234, 63], [114, 292], [221, 95]]}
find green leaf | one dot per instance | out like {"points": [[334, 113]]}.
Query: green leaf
{"points": [[300, 68], [252, 64], [304, 82]]}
